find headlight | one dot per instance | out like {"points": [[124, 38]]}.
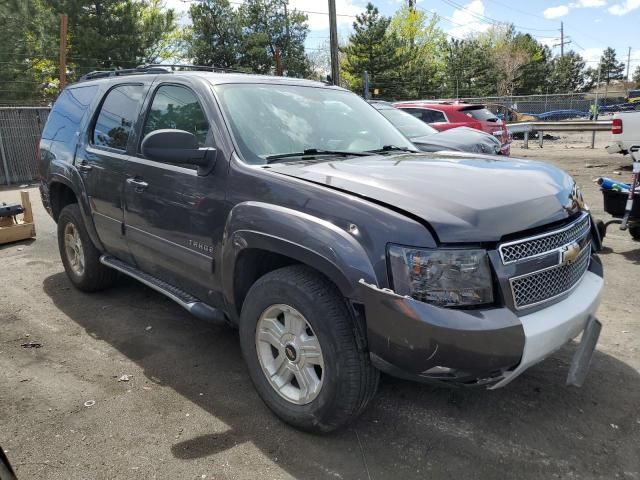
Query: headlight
{"points": [[442, 277]]}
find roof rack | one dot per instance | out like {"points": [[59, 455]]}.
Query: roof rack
{"points": [[154, 68]]}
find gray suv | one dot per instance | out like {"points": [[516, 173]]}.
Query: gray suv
{"points": [[296, 212]]}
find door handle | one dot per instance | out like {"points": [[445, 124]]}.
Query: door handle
{"points": [[85, 167], [138, 185]]}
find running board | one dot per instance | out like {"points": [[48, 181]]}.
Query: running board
{"points": [[190, 303]]}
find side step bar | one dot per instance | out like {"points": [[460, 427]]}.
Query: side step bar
{"points": [[190, 303]]}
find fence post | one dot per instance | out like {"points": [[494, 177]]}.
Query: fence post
{"points": [[526, 141], [540, 137], [7, 176]]}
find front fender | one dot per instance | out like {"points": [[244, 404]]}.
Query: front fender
{"points": [[297, 235]]}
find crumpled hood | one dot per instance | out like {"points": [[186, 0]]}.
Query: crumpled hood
{"points": [[464, 197]]}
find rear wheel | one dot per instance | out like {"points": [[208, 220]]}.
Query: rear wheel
{"points": [[299, 341], [81, 259], [634, 230]]}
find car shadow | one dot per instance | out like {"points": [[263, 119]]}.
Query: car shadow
{"points": [[535, 428]]}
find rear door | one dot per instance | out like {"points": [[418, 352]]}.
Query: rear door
{"points": [[101, 162], [167, 204]]}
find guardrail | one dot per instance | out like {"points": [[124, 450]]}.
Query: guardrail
{"points": [[562, 126]]}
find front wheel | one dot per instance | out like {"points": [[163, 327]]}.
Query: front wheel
{"points": [[298, 339], [634, 230]]}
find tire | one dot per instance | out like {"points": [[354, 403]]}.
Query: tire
{"points": [[89, 275], [634, 230], [348, 381]]}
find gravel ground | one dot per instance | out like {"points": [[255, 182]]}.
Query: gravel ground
{"points": [[188, 409]]}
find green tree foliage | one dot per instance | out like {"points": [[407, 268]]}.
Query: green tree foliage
{"points": [[636, 74], [114, 33], [216, 34], [372, 49], [469, 70], [610, 68], [567, 73], [421, 45], [270, 26], [28, 34], [251, 37]]}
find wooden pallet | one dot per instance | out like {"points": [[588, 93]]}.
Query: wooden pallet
{"points": [[20, 229]]}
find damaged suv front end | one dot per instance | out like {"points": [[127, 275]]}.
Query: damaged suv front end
{"points": [[483, 316]]}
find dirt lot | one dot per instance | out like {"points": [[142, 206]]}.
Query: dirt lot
{"points": [[189, 411]]}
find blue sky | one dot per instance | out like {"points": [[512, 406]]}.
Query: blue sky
{"points": [[591, 25]]}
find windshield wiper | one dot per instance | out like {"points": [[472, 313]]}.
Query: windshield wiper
{"points": [[391, 148], [314, 151]]}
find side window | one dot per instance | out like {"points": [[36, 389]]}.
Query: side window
{"points": [[436, 116], [68, 110], [117, 115], [416, 112], [177, 107]]}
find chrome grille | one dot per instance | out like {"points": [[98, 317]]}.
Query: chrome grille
{"points": [[534, 288], [544, 243]]}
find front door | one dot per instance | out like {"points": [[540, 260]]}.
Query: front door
{"points": [[101, 163], [162, 200]]}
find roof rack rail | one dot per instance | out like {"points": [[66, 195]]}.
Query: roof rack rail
{"points": [[154, 68]]}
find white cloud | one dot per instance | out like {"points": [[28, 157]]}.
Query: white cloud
{"points": [[466, 19], [625, 7], [588, 4], [556, 12], [345, 9]]}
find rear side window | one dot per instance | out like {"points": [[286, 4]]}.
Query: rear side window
{"points": [[482, 114], [433, 116], [427, 116], [177, 107], [117, 115], [66, 115]]}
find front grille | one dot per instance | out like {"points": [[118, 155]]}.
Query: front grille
{"points": [[534, 288], [544, 243]]}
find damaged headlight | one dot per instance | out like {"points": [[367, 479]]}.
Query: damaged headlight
{"points": [[442, 277]]}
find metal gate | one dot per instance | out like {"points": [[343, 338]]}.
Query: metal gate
{"points": [[20, 130]]}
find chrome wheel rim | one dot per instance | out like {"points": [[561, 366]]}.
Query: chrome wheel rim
{"points": [[290, 354], [73, 248]]}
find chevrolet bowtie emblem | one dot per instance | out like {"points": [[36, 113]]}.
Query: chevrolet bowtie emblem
{"points": [[570, 253]]}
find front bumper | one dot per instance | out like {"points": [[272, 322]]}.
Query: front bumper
{"points": [[418, 341]]}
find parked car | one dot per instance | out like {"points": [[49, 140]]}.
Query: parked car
{"points": [[625, 132], [634, 96], [445, 115], [294, 211], [428, 139]]}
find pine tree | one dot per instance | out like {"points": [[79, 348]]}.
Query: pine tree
{"points": [[610, 68], [270, 29], [114, 33], [567, 73], [373, 50], [636, 74], [216, 34]]}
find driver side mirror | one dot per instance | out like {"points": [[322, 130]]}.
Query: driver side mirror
{"points": [[178, 146]]}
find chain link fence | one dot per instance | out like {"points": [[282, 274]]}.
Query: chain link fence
{"points": [[553, 107], [20, 130]]}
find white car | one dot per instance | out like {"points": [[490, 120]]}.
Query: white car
{"points": [[625, 132]]}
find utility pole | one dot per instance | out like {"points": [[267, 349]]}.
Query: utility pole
{"points": [[628, 64], [366, 85], [333, 40], [64, 20], [563, 42]]}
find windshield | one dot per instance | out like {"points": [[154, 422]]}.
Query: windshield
{"points": [[409, 125], [634, 93], [268, 120]]}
